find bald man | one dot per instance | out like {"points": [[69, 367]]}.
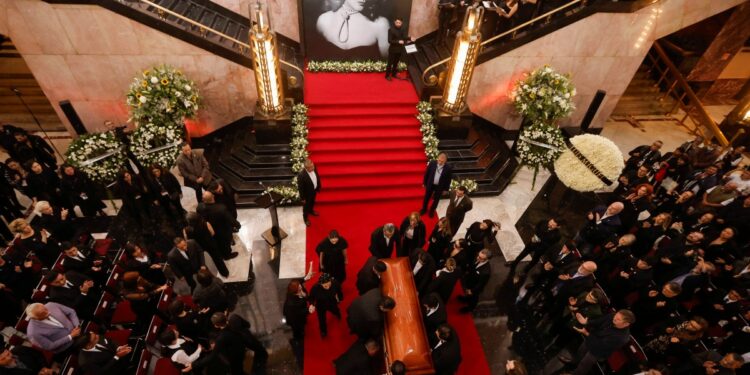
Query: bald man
{"points": [[603, 223]]}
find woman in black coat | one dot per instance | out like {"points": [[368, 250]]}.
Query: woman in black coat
{"points": [[43, 184], [326, 296], [477, 233], [167, 191], [413, 233], [440, 241], [296, 308], [445, 280], [78, 190], [136, 200], [332, 254]]}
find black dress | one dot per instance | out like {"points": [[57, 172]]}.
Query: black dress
{"points": [[79, 190], [43, 186], [136, 200], [439, 245], [326, 300], [295, 313], [333, 258], [168, 193], [46, 252]]}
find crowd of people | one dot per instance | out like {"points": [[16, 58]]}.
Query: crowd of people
{"points": [[66, 293], [658, 274]]}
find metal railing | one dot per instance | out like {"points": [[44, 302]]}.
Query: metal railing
{"points": [[679, 89], [546, 17], [204, 30]]}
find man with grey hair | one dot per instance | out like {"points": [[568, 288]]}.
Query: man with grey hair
{"points": [[52, 326], [383, 240], [475, 279], [308, 184]]}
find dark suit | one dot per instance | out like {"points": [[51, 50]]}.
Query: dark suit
{"points": [[423, 277], [395, 49], [367, 279], [438, 317], [70, 295], [456, 214], [379, 247], [603, 340], [475, 280], [186, 267], [432, 190], [32, 359], [447, 357], [103, 359], [444, 284], [355, 361], [308, 191], [416, 241], [364, 316], [222, 222]]}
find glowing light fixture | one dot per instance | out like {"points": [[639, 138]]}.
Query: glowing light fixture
{"points": [[463, 60], [265, 62]]}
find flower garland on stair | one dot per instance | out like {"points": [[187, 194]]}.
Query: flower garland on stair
{"points": [[427, 127], [298, 150], [470, 185], [367, 66]]}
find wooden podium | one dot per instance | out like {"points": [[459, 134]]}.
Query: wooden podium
{"points": [[404, 337], [275, 234]]}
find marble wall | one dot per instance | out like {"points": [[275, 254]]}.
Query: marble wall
{"points": [[602, 51], [424, 17], [89, 55], [284, 14]]}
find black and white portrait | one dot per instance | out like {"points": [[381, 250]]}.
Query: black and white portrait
{"points": [[350, 29]]}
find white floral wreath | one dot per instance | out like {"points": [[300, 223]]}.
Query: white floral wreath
{"points": [[600, 152], [154, 144], [99, 155]]}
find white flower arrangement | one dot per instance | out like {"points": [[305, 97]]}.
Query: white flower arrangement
{"points": [[162, 95], [367, 66], [298, 150], [544, 96], [539, 146], [99, 155], [469, 184], [600, 151], [157, 144], [427, 127]]}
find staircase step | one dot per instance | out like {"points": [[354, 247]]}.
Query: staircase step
{"points": [[272, 149], [392, 180], [410, 132], [256, 174], [361, 195], [360, 146], [380, 169], [454, 144], [358, 110], [411, 155], [358, 121]]}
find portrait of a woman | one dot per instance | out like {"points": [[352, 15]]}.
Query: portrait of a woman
{"points": [[354, 28]]}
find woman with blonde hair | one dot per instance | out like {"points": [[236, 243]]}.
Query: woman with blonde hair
{"points": [[34, 242], [413, 233], [440, 240], [445, 280]]}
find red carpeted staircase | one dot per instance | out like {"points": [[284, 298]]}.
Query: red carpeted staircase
{"points": [[365, 141]]}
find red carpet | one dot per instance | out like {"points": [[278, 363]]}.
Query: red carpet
{"points": [[366, 144]]}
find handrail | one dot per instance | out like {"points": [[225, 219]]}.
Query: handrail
{"points": [[212, 30], [703, 115], [498, 36]]}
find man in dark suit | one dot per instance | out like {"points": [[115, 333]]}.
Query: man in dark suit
{"points": [[397, 38], [446, 353], [358, 359], [224, 194], [22, 360], [475, 279], [546, 235], [99, 355], [84, 262], [571, 285], [72, 289], [644, 155], [446, 9], [437, 179], [221, 221], [423, 267], [459, 204], [602, 337], [308, 184], [186, 259], [368, 277], [603, 222], [229, 344], [193, 167], [365, 314], [434, 313], [384, 240]]}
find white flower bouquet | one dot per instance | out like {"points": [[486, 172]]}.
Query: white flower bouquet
{"points": [[162, 94], [544, 96], [157, 144], [427, 127], [468, 183], [99, 155], [298, 150], [600, 151], [366, 66], [539, 146]]}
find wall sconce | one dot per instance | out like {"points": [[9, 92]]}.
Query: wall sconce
{"points": [[463, 60], [265, 62]]}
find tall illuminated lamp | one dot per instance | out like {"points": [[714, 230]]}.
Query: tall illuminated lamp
{"points": [[266, 63], [461, 66]]}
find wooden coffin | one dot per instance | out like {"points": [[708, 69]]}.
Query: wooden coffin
{"points": [[404, 337]]}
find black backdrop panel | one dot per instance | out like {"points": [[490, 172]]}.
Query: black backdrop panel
{"points": [[350, 29]]}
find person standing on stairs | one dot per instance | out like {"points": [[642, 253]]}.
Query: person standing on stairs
{"points": [[397, 38], [437, 179], [308, 184]]}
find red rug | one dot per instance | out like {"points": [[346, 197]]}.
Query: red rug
{"points": [[366, 144]]}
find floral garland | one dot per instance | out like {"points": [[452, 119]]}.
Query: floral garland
{"points": [[162, 95], [157, 145], [600, 151], [99, 155], [427, 127], [539, 146], [367, 66], [544, 96], [298, 145], [469, 184]]}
